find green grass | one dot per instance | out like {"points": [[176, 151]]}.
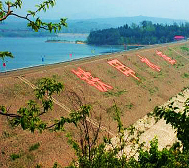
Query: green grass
{"points": [[169, 49], [157, 74], [184, 48], [14, 156], [116, 94], [181, 94], [185, 75], [6, 134], [55, 76], [34, 147], [129, 106], [178, 65], [153, 90], [184, 88], [30, 157]]}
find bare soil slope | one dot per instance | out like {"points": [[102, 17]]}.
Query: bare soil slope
{"points": [[135, 98]]}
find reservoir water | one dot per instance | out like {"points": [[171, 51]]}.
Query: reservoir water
{"points": [[35, 51]]}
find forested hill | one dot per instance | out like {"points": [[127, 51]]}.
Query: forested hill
{"points": [[145, 33], [13, 27]]}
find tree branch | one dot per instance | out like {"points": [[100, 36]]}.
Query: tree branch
{"points": [[10, 115], [9, 12], [26, 18]]}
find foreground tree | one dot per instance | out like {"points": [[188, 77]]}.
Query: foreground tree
{"points": [[7, 9]]}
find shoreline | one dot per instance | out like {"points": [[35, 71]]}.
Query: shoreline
{"points": [[62, 41], [24, 70]]}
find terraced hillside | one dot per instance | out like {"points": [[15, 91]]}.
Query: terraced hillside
{"points": [[136, 80]]}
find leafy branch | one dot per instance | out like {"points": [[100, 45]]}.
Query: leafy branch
{"points": [[37, 23], [4, 54]]}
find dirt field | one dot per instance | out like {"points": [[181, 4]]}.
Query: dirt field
{"points": [[135, 98]]}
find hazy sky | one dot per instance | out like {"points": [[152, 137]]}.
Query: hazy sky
{"points": [[85, 9]]}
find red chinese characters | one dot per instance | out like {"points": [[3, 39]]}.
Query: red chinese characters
{"points": [[86, 76], [122, 68], [172, 62], [151, 65]]}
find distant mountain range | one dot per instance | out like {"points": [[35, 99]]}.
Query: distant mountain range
{"points": [[17, 27]]}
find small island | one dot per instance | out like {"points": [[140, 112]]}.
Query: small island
{"points": [[65, 41]]}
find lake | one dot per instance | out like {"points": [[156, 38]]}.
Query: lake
{"points": [[30, 52]]}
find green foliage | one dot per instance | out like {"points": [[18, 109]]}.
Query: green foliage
{"points": [[116, 94], [3, 109], [4, 54], [14, 156], [56, 165], [168, 158], [36, 23], [29, 117], [47, 86], [145, 34], [34, 147], [179, 121], [129, 106], [153, 90], [184, 48], [185, 75]]}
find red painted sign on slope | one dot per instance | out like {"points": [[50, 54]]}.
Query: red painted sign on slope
{"points": [[172, 62], [151, 65], [86, 76], [122, 68]]}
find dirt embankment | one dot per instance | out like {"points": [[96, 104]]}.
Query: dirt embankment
{"points": [[134, 97]]}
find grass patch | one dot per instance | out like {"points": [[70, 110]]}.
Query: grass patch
{"points": [[14, 156], [17, 87], [184, 89], [6, 134], [169, 52], [111, 73], [169, 82], [178, 65], [34, 147], [169, 49], [111, 112], [178, 57], [129, 106], [30, 157], [153, 90], [184, 48], [55, 77], [181, 94], [138, 82], [185, 75], [157, 74], [116, 94]]}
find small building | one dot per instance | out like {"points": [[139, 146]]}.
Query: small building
{"points": [[177, 38]]}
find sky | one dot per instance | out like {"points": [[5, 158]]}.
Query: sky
{"points": [[87, 9]]}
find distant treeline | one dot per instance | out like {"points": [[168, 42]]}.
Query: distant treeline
{"points": [[145, 33]]}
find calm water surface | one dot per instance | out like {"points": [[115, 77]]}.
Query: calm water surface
{"points": [[35, 51]]}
